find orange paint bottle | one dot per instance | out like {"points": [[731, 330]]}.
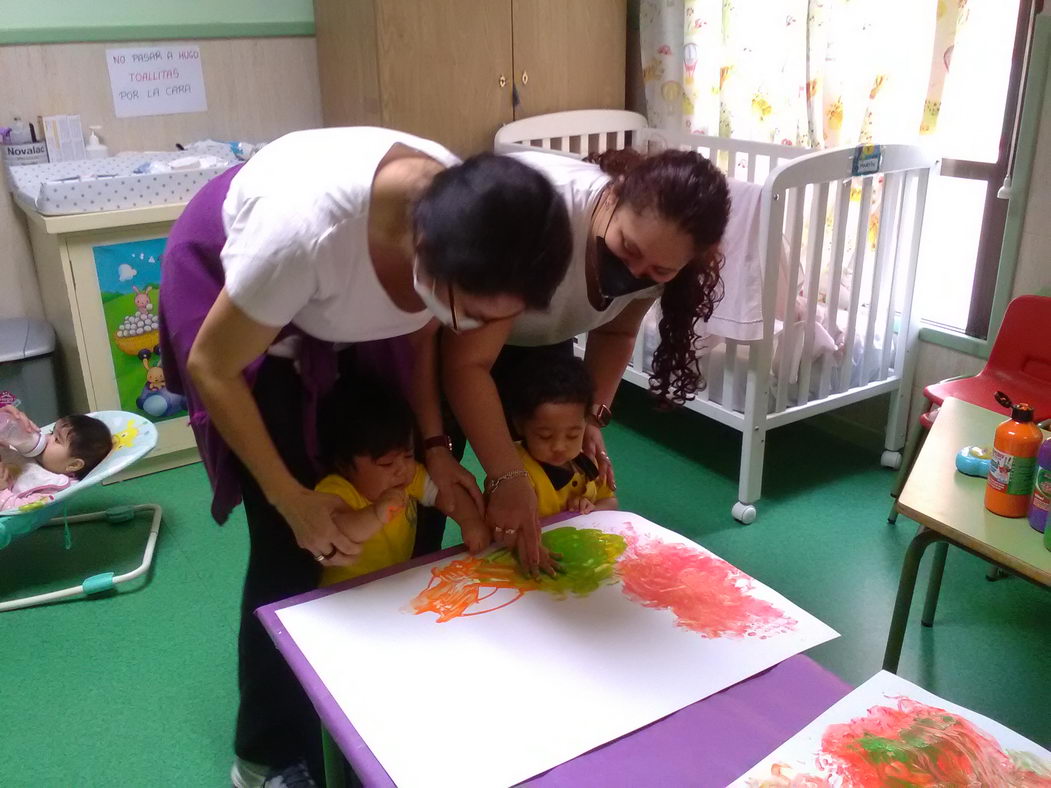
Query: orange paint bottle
{"points": [[1013, 467]]}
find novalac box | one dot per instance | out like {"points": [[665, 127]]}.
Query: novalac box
{"points": [[17, 154], [64, 137]]}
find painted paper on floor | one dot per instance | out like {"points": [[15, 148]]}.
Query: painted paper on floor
{"points": [[464, 673], [890, 732]]}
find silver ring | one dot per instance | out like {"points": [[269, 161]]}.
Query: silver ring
{"points": [[320, 557]]}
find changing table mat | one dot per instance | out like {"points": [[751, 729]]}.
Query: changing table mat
{"points": [[41, 188]]}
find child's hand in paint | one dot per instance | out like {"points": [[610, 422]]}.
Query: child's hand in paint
{"points": [[389, 505], [580, 505]]}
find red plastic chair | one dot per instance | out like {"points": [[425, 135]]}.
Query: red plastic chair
{"points": [[1019, 365]]}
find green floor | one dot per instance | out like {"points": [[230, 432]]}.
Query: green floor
{"points": [[138, 689]]}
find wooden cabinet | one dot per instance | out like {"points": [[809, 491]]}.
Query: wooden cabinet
{"points": [[89, 266], [569, 54], [450, 70]]}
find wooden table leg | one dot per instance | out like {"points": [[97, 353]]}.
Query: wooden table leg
{"points": [[906, 586], [335, 776]]}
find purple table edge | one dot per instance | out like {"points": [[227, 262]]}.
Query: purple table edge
{"points": [[709, 743]]}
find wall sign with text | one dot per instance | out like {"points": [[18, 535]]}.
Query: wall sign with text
{"points": [[156, 80]]}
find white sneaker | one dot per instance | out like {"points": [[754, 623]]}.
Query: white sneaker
{"points": [[245, 774]]}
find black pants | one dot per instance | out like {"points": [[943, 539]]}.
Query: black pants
{"points": [[276, 723]]}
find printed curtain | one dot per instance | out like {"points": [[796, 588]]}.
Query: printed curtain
{"points": [[815, 73]]}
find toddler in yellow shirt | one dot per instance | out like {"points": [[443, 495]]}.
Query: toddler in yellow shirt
{"points": [[369, 446], [548, 408]]}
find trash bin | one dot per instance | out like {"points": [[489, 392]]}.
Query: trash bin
{"points": [[27, 367]]}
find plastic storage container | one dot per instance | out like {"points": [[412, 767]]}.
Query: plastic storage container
{"points": [[27, 368]]}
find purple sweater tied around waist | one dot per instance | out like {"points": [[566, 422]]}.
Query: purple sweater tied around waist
{"points": [[191, 278]]}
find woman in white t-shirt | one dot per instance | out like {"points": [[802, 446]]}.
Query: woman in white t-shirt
{"points": [[331, 251], [644, 227]]}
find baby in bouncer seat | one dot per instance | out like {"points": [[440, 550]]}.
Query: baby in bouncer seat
{"points": [[34, 466]]}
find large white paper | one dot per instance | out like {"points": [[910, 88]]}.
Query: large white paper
{"points": [[504, 683], [157, 80], [889, 732]]}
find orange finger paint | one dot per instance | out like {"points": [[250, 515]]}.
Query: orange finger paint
{"points": [[1013, 467]]}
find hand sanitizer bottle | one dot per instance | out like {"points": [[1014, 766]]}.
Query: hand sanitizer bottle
{"points": [[95, 149]]}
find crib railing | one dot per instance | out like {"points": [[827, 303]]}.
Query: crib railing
{"points": [[881, 269], [811, 202], [839, 241], [747, 161], [577, 133], [744, 160], [564, 132]]}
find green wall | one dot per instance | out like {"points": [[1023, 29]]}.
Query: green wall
{"points": [[55, 21]]}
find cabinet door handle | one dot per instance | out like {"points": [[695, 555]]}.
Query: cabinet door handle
{"points": [[525, 77], [502, 81]]}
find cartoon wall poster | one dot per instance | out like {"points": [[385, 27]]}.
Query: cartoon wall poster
{"points": [[129, 276]]}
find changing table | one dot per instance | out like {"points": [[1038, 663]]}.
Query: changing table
{"points": [[99, 275]]}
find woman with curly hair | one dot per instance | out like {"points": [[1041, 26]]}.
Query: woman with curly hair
{"points": [[645, 227]]}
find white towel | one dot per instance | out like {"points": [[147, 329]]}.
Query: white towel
{"points": [[739, 315]]}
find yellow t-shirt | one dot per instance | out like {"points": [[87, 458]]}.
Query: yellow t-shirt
{"points": [[393, 543], [551, 501]]}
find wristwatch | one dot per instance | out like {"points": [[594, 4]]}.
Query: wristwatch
{"points": [[600, 415], [438, 442]]}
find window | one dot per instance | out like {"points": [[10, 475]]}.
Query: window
{"points": [[864, 70], [964, 222]]}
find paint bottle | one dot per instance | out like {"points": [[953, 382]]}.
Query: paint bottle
{"points": [[1015, 445], [1041, 500]]}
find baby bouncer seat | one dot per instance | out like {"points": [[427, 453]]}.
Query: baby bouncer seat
{"points": [[133, 438]]}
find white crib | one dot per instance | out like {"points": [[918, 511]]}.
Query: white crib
{"points": [[874, 287]]}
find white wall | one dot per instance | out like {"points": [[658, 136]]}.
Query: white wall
{"points": [[258, 89]]}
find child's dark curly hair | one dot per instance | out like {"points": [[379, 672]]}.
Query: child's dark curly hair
{"points": [[551, 378], [688, 190], [89, 440], [364, 418]]}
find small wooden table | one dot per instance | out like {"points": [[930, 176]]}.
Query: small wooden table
{"points": [[950, 508]]}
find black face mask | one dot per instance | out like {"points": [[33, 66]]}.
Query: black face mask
{"points": [[614, 276]]}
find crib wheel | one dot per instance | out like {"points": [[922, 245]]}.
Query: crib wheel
{"points": [[744, 513], [891, 459]]}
